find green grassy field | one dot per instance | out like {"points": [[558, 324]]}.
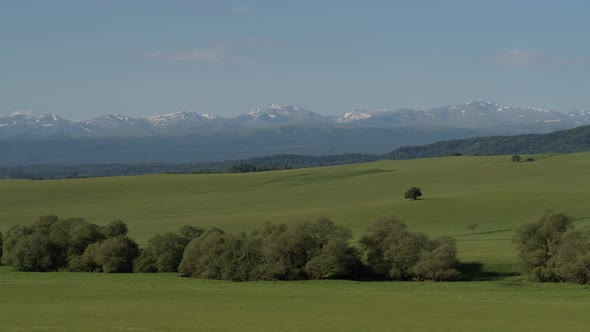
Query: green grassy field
{"points": [[164, 302], [490, 191]]}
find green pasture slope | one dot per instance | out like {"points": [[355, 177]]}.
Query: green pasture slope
{"points": [[493, 192]]}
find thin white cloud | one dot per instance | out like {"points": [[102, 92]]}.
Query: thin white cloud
{"points": [[197, 55], [242, 9], [22, 112], [529, 58]]}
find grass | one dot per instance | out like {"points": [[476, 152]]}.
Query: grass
{"points": [[164, 302], [492, 192]]}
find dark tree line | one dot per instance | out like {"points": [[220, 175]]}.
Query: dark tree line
{"points": [[563, 141], [73, 244], [321, 249], [549, 250], [306, 250], [266, 163], [250, 168]]}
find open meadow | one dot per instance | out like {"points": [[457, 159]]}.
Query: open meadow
{"points": [[493, 192], [163, 302]]}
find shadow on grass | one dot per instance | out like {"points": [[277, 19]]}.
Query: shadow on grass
{"points": [[476, 271], [495, 231]]}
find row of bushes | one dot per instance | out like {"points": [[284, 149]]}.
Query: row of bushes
{"points": [[549, 249], [307, 250]]}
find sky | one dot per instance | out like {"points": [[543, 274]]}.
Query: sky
{"points": [[82, 58]]}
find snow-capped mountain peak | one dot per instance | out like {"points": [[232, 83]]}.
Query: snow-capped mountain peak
{"points": [[278, 114], [176, 118], [353, 116], [45, 120], [268, 109], [273, 110], [209, 116]]}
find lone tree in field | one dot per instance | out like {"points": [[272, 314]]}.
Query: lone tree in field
{"points": [[413, 193], [473, 227], [516, 158]]}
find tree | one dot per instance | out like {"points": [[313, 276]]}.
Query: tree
{"points": [[113, 255], [51, 244], [115, 228], [413, 193], [32, 252], [393, 252], [328, 253], [190, 232], [538, 243], [202, 257], [473, 227], [242, 258], [573, 257], [71, 237], [163, 253], [1, 240], [439, 262], [307, 250], [516, 158]]}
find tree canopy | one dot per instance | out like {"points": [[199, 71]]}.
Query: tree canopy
{"points": [[550, 249], [413, 193]]}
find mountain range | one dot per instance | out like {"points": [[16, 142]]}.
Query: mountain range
{"points": [[487, 117], [189, 137]]}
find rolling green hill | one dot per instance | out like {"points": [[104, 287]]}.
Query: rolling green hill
{"points": [[493, 192]]}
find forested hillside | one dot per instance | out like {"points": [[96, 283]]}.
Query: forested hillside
{"points": [[565, 141]]}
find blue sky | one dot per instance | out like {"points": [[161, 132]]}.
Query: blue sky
{"points": [[82, 59]]}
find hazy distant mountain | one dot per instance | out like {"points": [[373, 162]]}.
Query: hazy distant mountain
{"points": [[117, 125], [355, 115], [275, 114], [47, 124], [486, 117], [474, 114], [189, 123]]}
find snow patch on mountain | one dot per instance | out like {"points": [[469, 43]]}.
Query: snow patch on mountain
{"points": [[353, 116]]}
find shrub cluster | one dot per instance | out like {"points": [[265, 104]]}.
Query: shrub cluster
{"points": [[393, 252], [321, 249], [163, 252], [72, 244], [550, 249], [307, 250]]}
